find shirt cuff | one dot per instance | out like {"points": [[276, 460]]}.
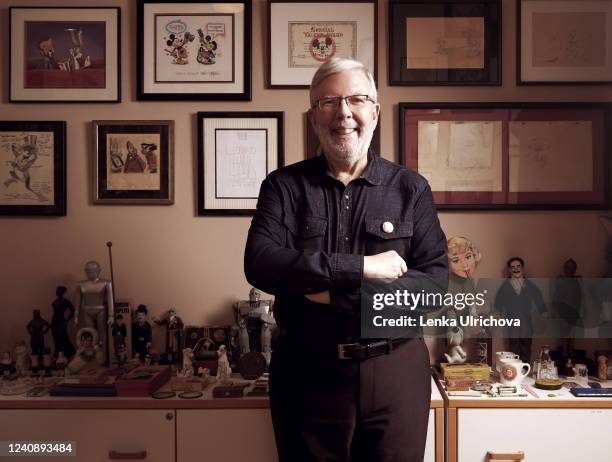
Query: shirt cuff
{"points": [[347, 270]]}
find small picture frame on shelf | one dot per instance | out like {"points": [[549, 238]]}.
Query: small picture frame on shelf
{"points": [[133, 162], [303, 35], [33, 170], [65, 55], [564, 42], [454, 42], [194, 50], [236, 151]]}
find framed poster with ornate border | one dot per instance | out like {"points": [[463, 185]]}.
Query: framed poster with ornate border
{"points": [[194, 50], [67, 55], [32, 168], [236, 151], [303, 35], [510, 155], [134, 162], [564, 42], [445, 42]]}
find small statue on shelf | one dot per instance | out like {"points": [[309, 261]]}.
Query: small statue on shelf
{"points": [[63, 312], [37, 328], [456, 353], [7, 366], [89, 355], [174, 335], [141, 334], [187, 370], [22, 359], [96, 302], [224, 371]]}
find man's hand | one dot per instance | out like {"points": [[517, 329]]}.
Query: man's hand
{"points": [[320, 297], [386, 265]]}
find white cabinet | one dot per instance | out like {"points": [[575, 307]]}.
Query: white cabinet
{"points": [[225, 435], [543, 435], [136, 434]]}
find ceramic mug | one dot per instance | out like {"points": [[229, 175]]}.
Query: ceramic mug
{"points": [[512, 371], [504, 355]]}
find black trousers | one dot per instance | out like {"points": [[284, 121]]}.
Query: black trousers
{"points": [[326, 409]]}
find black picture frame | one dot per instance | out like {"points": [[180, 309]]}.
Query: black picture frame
{"points": [[464, 15], [33, 85], [26, 184], [548, 58], [525, 169], [349, 14], [212, 129], [113, 183], [236, 89]]}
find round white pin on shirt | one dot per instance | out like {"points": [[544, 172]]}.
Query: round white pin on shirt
{"points": [[387, 227]]}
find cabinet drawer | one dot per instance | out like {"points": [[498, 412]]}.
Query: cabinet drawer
{"points": [[225, 434], [96, 432], [544, 435]]}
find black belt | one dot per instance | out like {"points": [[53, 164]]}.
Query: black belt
{"points": [[361, 350]]}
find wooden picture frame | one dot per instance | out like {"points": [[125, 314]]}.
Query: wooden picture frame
{"points": [[564, 42], [133, 162], [33, 168], [64, 54], [194, 50], [236, 151], [303, 35], [510, 155], [438, 42]]}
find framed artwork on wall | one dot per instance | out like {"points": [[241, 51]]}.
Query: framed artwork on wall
{"points": [[133, 162], [564, 42], [32, 168], [236, 151], [303, 35], [439, 42], [194, 50], [510, 155], [68, 55]]}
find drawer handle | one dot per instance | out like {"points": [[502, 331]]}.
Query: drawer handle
{"points": [[519, 455], [117, 455]]}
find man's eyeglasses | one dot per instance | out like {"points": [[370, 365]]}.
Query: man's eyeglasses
{"points": [[331, 103]]}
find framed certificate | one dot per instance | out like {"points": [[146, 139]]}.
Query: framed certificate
{"points": [[236, 151], [303, 35]]}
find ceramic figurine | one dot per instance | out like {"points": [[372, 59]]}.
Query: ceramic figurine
{"points": [[63, 312], [456, 353], [37, 328], [141, 334], [89, 354], [187, 370], [223, 368], [22, 359], [516, 299], [96, 303], [174, 334]]}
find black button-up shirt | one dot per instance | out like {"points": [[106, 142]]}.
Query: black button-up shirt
{"points": [[310, 233]]}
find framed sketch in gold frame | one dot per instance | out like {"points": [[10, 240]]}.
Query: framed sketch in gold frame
{"points": [[133, 162]]}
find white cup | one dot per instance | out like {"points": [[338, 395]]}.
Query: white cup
{"points": [[504, 356], [512, 371]]}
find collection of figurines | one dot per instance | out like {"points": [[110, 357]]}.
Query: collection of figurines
{"points": [[105, 338], [518, 297]]}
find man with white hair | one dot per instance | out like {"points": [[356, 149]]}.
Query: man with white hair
{"points": [[321, 226]]}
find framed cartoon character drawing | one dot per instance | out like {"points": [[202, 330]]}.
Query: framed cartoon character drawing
{"points": [[194, 50], [65, 55]]}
